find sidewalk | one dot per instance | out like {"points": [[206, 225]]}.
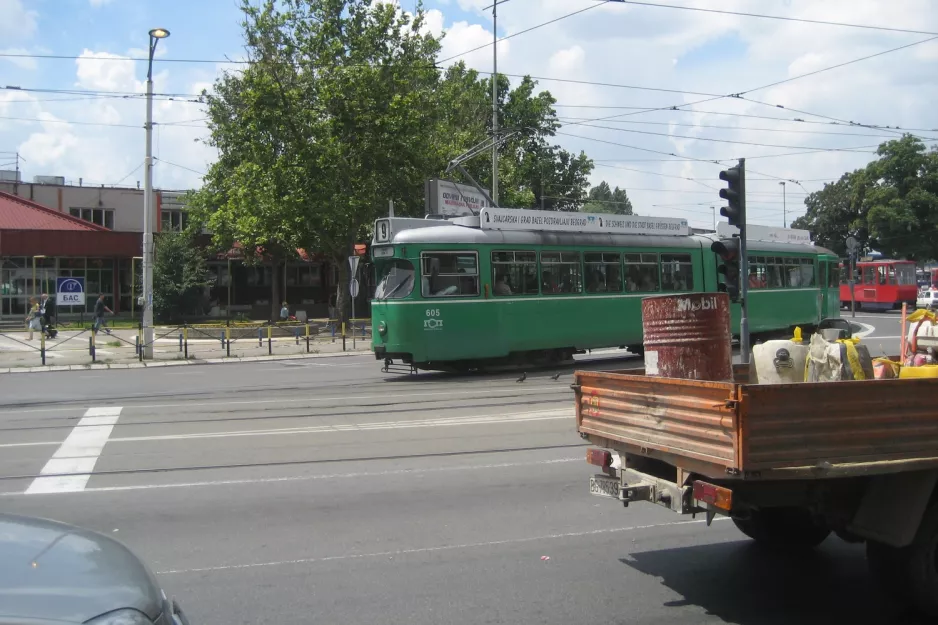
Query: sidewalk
{"points": [[71, 348]]}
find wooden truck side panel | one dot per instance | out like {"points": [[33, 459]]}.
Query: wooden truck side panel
{"points": [[803, 425], [753, 430]]}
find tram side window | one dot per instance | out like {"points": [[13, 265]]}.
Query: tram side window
{"points": [[757, 272], [834, 278], [641, 273], [869, 275], [807, 272], [514, 273], [775, 273], [449, 274], [677, 272], [905, 274], [603, 273], [560, 273]]}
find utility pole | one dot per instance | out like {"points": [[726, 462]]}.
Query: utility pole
{"points": [[495, 103], [155, 35], [784, 207]]}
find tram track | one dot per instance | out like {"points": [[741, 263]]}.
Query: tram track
{"points": [[294, 463]]}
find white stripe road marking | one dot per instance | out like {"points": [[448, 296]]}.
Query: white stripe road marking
{"points": [[306, 478], [511, 417], [515, 389], [403, 552], [72, 463]]}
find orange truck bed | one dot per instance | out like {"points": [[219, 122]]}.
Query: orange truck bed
{"points": [[763, 431]]}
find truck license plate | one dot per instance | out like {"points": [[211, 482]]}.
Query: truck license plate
{"points": [[604, 486]]}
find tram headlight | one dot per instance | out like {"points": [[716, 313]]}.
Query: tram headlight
{"points": [[382, 328]]}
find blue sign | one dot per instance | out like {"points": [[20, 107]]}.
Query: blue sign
{"points": [[70, 291]]}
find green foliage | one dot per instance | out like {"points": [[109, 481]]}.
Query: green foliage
{"points": [[890, 206], [532, 172], [602, 199], [179, 276]]}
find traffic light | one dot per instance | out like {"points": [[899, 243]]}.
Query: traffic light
{"points": [[735, 195], [729, 253]]}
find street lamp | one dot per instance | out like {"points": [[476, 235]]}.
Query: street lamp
{"points": [[35, 290], [155, 35], [784, 207]]}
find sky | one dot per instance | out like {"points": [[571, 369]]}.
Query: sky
{"points": [[607, 63]]}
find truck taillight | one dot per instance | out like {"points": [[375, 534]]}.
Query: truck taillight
{"points": [[716, 496], [599, 457]]}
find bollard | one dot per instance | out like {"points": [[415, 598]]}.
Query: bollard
{"points": [[228, 340], [91, 346], [296, 334], [137, 345], [270, 346], [260, 337], [307, 338], [42, 347], [343, 336], [222, 334], [185, 341], [180, 341]]}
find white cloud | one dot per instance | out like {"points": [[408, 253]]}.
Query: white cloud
{"points": [[99, 3], [613, 43], [18, 23]]}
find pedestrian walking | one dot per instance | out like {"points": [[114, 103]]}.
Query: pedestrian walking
{"points": [[47, 313], [33, 318], [99, 311]]}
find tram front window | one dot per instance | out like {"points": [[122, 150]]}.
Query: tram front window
{"points": [[396, 279]]}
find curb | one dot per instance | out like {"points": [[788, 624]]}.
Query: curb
{"points": [[177, 363]]}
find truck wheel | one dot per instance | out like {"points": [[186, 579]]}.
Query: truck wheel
{"points": [[911, 573], [783, 527]]}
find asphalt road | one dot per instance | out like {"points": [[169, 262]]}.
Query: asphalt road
{"points": [[323, 491]]}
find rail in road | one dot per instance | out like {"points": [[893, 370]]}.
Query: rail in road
{"points": [[276, 492]]}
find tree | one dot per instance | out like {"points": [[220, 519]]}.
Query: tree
{"points": [[602, 199], [891, 205], [179, 276], [533, 173], [329, 120], [903, 202], [836, 212]]}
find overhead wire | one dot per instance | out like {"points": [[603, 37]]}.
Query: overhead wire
{"points": [[776, 17]]}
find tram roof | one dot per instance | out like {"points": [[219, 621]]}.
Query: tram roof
{"points": [[456, 234]]}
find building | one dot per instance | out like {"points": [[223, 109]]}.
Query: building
{"points": [[39, 244], [307, 284]]}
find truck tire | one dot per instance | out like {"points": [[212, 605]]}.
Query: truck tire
{"points": [[911, 573], [783, 528]]}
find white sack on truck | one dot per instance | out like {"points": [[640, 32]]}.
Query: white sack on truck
{"points": [[844, 359]]}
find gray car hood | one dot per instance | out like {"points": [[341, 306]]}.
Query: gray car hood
{"points": [[54, 571]]}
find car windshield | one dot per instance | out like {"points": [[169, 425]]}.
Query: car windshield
{"points": [[395, 279]]}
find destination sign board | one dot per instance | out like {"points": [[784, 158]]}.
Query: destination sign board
{"points": [[555, 221]]}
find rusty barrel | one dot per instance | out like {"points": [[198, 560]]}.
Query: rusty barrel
{"points": [[688, 336]]}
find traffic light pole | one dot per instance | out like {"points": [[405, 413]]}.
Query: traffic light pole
{"points": [[743, 273]]}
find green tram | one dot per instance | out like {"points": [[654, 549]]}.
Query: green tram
{"points": [[455, 297]]}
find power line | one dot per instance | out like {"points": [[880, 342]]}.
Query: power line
{"points": [[201, 173], [747, 115], [777, 17], [181, 124], [740, 94], [132, 172], [761, 145], [719, 127], [526, 30]]}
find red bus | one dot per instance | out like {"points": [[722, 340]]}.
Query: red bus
{"points": [[881, 284]]}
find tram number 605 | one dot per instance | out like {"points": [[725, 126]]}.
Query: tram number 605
{"points": [[433, 312]]}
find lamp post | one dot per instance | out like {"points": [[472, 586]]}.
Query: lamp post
{"points": [[133, 284], [35, 288], [155, 35], [784, 207]]}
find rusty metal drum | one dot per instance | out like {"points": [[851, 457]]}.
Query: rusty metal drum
{"points": [[688, 336]]}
